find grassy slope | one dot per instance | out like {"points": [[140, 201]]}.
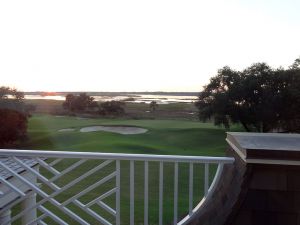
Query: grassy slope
{"points": [[163, 137]]}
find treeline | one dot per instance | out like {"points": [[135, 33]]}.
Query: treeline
{"points": [[84, 103], [261, 98]]}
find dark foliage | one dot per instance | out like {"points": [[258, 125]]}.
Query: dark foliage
{"points": [[260, 98], [113, 108], [13, 126], [13, 116], [79, 103], [153, 105]]}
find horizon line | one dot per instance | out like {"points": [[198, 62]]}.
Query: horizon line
{"points": [[111, 91]]}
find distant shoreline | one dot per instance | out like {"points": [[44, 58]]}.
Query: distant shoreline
{"points": [[113, 93]]}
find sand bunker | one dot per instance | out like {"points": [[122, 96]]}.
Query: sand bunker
{"points": [[66, 130], [115, 129]]}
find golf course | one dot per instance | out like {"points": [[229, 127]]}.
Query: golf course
{"points": [[160, 137]]}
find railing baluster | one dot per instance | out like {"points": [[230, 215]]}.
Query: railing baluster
{"points": [[175, 192], [52, 215], [118, 186], [107, 208], [206, 178], [161, 190], [131, 192], [146, 194], [15, 189], [54, 162], [37, 174], [67, 170], [42, 223], [101, 197], [191, 188], [46, 166]]}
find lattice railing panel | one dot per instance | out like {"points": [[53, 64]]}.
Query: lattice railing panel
{"points": [[68, 191]]}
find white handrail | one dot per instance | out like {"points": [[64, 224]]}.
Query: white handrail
{"points": [[115, 156]]}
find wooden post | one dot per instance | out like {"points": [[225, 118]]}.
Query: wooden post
{"points": [[29, 202], [5, 217]]}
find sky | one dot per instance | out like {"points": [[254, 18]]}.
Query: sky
{"points": [[139, 45]]}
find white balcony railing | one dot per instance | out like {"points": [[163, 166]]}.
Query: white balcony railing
{"points": [[52, 187]]}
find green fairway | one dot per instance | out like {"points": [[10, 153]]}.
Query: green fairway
{"points": [[163, 137]]}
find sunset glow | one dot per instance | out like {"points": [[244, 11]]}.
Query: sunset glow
{"points": [[133, 45]]}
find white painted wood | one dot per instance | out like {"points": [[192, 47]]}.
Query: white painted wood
{"points": [[46, 166], [107, 208], [100, 198], [35, 188], [30, 184], [119, 156], [161, 191], [118, 192], [146, 193], [5, 217], [37, 174], [19, 189], [29, 202], [201, 204], [67, 170], [90, 188], [206, 178], [175, 192], [131, 192], [191, 187]]}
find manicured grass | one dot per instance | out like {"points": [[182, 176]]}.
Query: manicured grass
{"points": [[164, 137]]}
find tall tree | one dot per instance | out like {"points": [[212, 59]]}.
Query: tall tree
{"points": [[79, 102], [11, 98], [260, 98], [13, 116], [13, 126], [69, 102], [296, 64], [153, 105]]}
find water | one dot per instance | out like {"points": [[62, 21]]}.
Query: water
{"points": [[145, 98]]}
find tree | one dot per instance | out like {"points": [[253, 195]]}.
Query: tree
{"points": [[68, 103], [260, 98], [289, 103], [113, 108], [5, 92], [79, 103], [11, 98], [153, 105], [296, 64], [13, 126], [212, 100], [13, 116]]}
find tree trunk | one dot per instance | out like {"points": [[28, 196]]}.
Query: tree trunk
{"points": [[245, 126]]}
